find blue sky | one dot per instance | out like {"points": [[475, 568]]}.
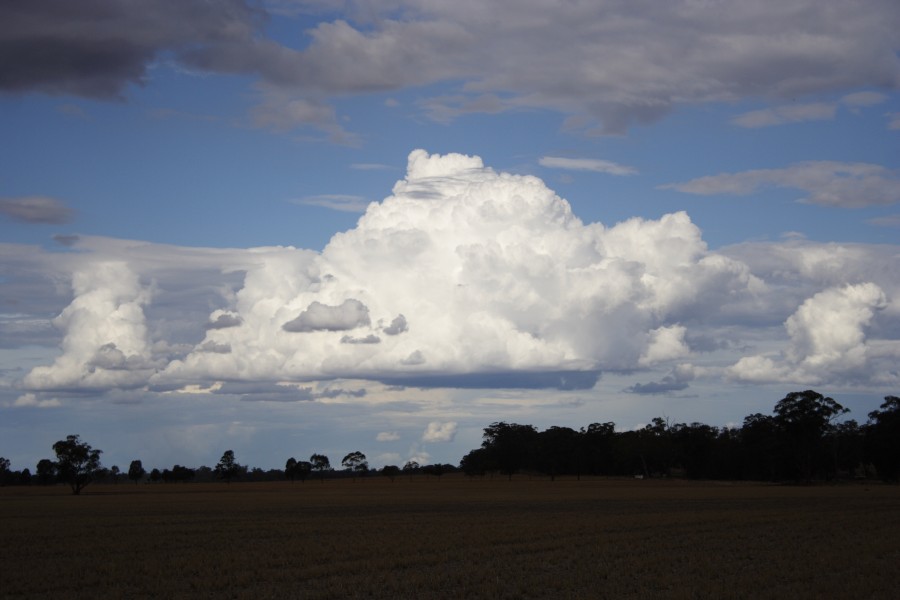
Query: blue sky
{"points": [[603, 211]]}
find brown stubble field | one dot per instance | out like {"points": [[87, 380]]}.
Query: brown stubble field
{"points": [[451, 538]]}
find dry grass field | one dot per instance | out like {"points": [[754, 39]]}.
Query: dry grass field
{"points": [[451, 538]]}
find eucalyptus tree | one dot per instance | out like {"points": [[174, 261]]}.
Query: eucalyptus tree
{"points": [[390, 471], [228, 468], [356, 463], [804, 419], [136, 471], [883, 433], [76, 462], [320, 464], [290, 469], [410, 468]]}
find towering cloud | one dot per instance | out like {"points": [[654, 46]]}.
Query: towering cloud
{"points": [[488, 272], [827, 339], [106, 343], [467, 277]]}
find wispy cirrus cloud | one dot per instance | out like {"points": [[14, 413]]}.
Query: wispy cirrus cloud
{"points": [[828, 183], [862, 99], [595, 165], [371, 167], [791, 113], [340, 202], [800, 112], [885, 221], [36, 209]]}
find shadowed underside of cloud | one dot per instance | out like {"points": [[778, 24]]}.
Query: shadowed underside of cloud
{"points": [[559, 380], [609, 64], [469, 278]]}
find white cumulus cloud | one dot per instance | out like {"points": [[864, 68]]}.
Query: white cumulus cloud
{"points": [[827, 338], [106, 342], [31, 400], [468, 278], [665, 343], [439, 432]]}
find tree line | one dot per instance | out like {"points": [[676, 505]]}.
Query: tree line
{"points": [[802, 440], [78, 464]]}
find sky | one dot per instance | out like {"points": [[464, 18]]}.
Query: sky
{"points": [[290, 227]]}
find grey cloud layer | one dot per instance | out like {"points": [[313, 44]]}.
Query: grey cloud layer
{"points": [[611, 63], [95, 48], [469, 278]]}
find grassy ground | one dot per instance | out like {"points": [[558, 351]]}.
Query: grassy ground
{"points": [[451, 538]]}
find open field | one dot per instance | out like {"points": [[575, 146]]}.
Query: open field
{"points": [[451, 538]]}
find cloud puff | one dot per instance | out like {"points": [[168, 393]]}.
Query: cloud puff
{"points": [[397, 326], [586, 164], [827, 339], [222, 320], [439, 432], [387, 436], [350, 314], [106, 342], [675, 381], [31, 400], [829, 183], [664, 344], [36, 209]]}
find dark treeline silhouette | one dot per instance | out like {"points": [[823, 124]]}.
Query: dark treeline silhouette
{"points": [[78, 465], [801, 441]]}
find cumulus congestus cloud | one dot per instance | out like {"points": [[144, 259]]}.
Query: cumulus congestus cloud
{"points": [[465, 277], [106, 341]]}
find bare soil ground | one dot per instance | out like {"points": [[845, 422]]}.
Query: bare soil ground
{"points": [[451, 538]]}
